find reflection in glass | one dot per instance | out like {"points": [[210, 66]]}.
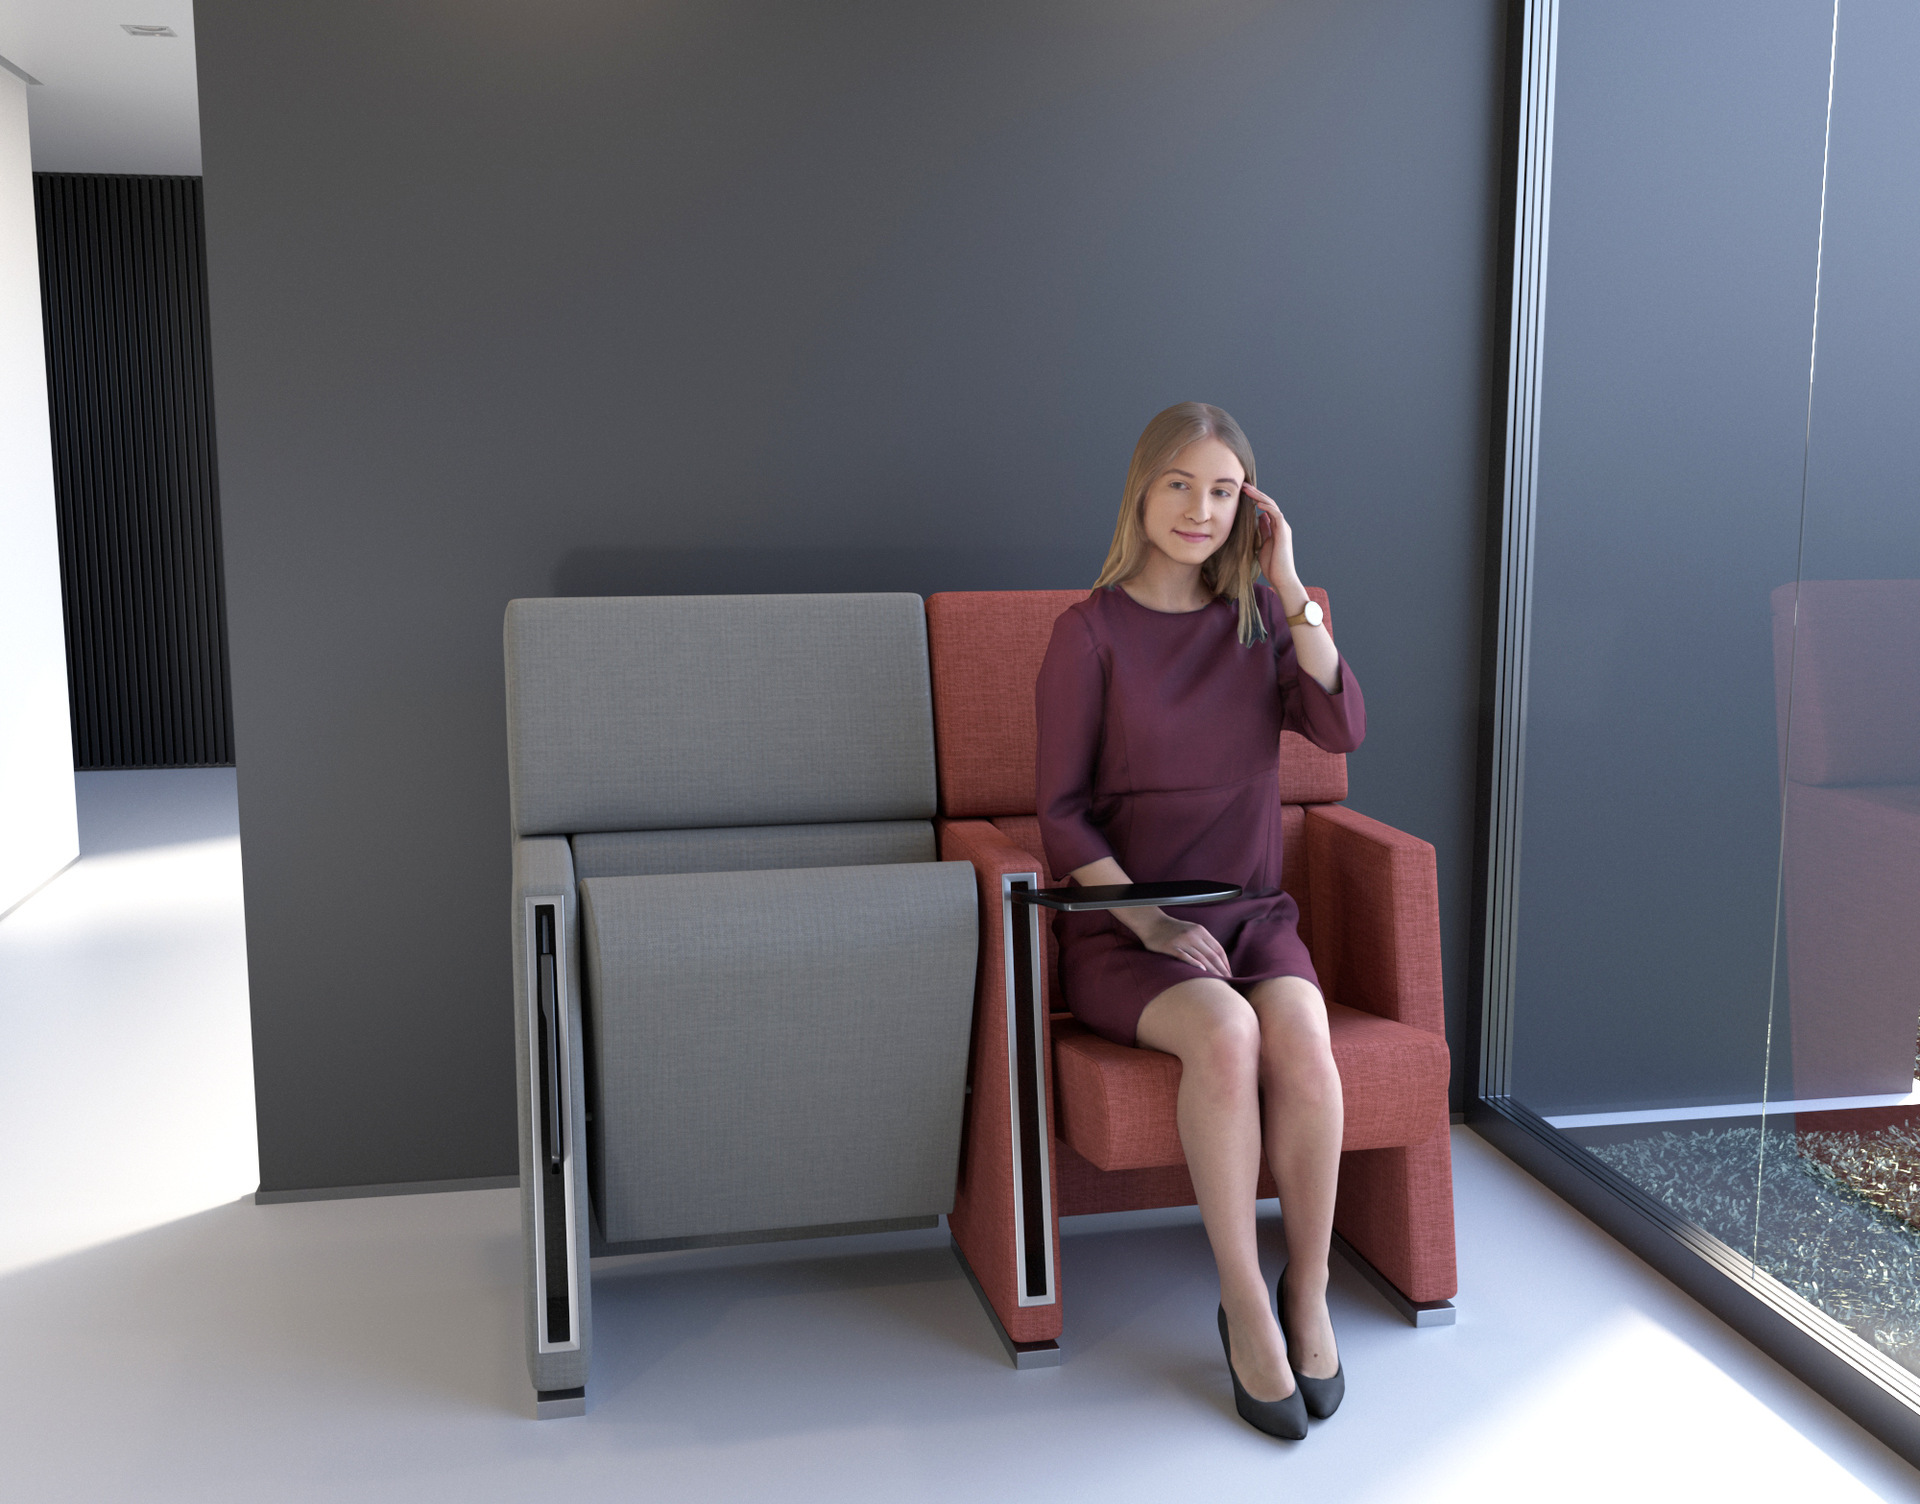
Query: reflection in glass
{"points": [[1847, 666], [1717, 978]]}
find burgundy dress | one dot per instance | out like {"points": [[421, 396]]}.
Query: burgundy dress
{"points": [[1160, 747]]}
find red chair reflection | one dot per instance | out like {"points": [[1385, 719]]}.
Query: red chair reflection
{"points": [[1847, 693]]}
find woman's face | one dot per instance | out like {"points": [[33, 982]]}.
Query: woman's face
{"points": [[1191, 504]]}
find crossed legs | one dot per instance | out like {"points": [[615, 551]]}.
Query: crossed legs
{"points": [[1235, 1050]]}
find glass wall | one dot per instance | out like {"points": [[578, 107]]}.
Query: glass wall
{"points": [[1714, 986]]}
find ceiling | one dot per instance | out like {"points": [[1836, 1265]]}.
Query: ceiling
{"points": [[106, 101]]}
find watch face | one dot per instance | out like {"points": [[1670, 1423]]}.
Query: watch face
{"points": [[1312, 612]]}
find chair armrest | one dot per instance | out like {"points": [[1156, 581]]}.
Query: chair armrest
{"points": [[553, 1198], [1004, 1211], [995, 856], [542, 865], [1072, 900], [981, 841], [1376, 917], [548, 982]]}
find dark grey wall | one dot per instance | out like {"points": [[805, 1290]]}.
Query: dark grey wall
{"points": [[1686, 216], [747, 296], [1863, 480]]}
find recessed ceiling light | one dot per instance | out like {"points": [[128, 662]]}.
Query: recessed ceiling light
{"points": [[148, 31]]}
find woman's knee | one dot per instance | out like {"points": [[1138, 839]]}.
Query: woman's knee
{"points": [[1296, 1051], [1229, 1041], [1301, 1070], [1208, 1025]]}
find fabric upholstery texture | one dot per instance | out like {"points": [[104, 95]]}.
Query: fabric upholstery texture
{"points": [[1376, 936], [986, 648], [1084, 1188], [751, 848], [1395, 1207], [664, 713], [1115, 1104], [779, 1048]]}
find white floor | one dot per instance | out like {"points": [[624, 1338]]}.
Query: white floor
{"points": [[163, 1338]]}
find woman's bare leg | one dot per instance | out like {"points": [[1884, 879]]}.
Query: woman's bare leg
{"points": [[1304, 1115], [1216, 1035]]}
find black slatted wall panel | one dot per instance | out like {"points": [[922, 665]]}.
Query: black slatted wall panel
{"points": [[123, 288]]}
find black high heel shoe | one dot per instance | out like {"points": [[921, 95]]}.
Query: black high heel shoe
{"points": [[1321, 1396], [1286, 1419]]}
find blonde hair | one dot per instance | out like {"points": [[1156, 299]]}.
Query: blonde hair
{"points": [[1232, 568]]}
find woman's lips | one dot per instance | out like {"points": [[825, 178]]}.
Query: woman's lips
{"points": [[1192, 537]]}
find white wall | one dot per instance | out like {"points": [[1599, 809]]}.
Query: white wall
{"points": [[38, 831], [107, 102]]}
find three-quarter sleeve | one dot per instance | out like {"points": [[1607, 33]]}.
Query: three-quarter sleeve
{"points": [[1333, 722], [1069, 705]]}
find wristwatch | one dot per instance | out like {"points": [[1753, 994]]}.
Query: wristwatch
{"points": [[1309, 615]]}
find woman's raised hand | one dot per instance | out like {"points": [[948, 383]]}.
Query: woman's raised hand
{"points": [[1276, 544], [1192, 943], [1311, 642]]}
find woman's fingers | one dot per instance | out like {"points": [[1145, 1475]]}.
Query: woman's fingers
{"points": [[1197, 946], [1269, 508], [1209, 954], [1194, 944]]}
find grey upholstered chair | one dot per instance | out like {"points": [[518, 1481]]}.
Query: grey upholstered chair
{"points": [[743, 984]]}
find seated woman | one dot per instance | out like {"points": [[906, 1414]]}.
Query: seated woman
{"points": [[1160, 706]]}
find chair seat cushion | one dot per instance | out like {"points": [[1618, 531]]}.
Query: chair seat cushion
{"points": [[1115, 1104], [776, 1049]]}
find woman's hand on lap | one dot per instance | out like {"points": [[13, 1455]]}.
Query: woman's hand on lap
{"points": [[1192, 943]]}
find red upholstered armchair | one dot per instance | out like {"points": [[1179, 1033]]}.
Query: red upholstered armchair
{"points": [[1061, 1121]]}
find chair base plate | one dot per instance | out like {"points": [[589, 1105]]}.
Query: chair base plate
{"points": [[1021, 1354], [556, 1404], [1416, 1312]]}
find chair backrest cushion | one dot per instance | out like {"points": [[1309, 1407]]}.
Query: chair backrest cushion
{"points": [[644, 713], [1854, 660], [986, 648]]}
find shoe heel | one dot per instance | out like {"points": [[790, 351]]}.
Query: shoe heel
{"points": [[1284, 1418], [1321, 1396]]}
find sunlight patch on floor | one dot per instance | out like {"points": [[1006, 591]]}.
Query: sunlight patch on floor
{"points": [[124, 981], [1629, 1402]]}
